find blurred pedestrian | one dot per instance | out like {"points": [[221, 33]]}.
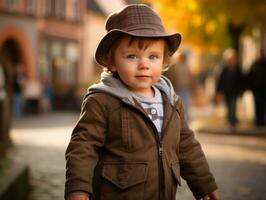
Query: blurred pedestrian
{"points": [[32, 96], [48, 95], [230, 84], [257, 83], [18, 87], [180, 75], [131, 141]]}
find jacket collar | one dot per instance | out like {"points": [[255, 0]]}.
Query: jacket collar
{"points": [[115, 87]]}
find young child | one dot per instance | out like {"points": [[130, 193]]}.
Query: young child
{"points": [[131, 141]]}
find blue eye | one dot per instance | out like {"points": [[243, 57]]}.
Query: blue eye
{"points": [[132, 57], [153, 57]]}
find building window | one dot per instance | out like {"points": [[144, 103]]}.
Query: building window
{"points": [[31, 7], [60, 9], [71, 62], [76, 9], [55, 8], [12, 5], [48, 7], [58, 62], [44, 67]]}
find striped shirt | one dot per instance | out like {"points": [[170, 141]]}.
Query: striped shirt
{"points": [[153, 107]]}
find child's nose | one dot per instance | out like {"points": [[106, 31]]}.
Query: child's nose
{"points": [[143, 64]]}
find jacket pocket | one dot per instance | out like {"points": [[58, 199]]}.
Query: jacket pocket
{"points": [[125, 175], [176, 172], [123, 180]]}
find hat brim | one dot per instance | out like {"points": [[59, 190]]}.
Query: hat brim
{"points": [[173, 41]]}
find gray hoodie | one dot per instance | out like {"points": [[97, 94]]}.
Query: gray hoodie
{"points": [[115, 87]]}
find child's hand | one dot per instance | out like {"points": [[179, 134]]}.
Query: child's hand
{"points": [[78, 197], [211, 196]]}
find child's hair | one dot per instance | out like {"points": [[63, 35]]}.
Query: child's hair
{"points": [[143, 43]]}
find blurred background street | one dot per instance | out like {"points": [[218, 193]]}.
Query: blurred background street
{"points": [[47, 63], [237, 161]]}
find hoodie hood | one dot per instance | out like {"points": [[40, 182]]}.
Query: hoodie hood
{"points": [[115, 87]]}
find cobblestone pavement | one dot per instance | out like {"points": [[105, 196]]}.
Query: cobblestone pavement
{"points": [[238, 162]]}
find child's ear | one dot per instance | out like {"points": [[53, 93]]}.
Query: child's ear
{"points": [[112, 68], [111, 63]]}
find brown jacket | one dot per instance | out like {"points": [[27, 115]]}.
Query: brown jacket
{"points": [[115, 152]]}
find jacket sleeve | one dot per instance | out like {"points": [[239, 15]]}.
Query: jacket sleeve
{"points": [[88, 137], [193, 164]]}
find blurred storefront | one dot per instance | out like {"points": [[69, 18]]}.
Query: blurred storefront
{"points": [[54, 41], [45, 37]]}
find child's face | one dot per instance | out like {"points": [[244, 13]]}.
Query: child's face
{"points": [[139, 68]]}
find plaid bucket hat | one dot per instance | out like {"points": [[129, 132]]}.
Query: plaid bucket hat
{"points": [[134, 20]]}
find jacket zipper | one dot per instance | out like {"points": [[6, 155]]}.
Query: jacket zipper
{"points": [[159, 145], [160, 149], [160, 168]]}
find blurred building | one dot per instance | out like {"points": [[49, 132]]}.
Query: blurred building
{"points": [[54, 40]]}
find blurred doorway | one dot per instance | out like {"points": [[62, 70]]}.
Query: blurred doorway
{"points": [[11, 59]]}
